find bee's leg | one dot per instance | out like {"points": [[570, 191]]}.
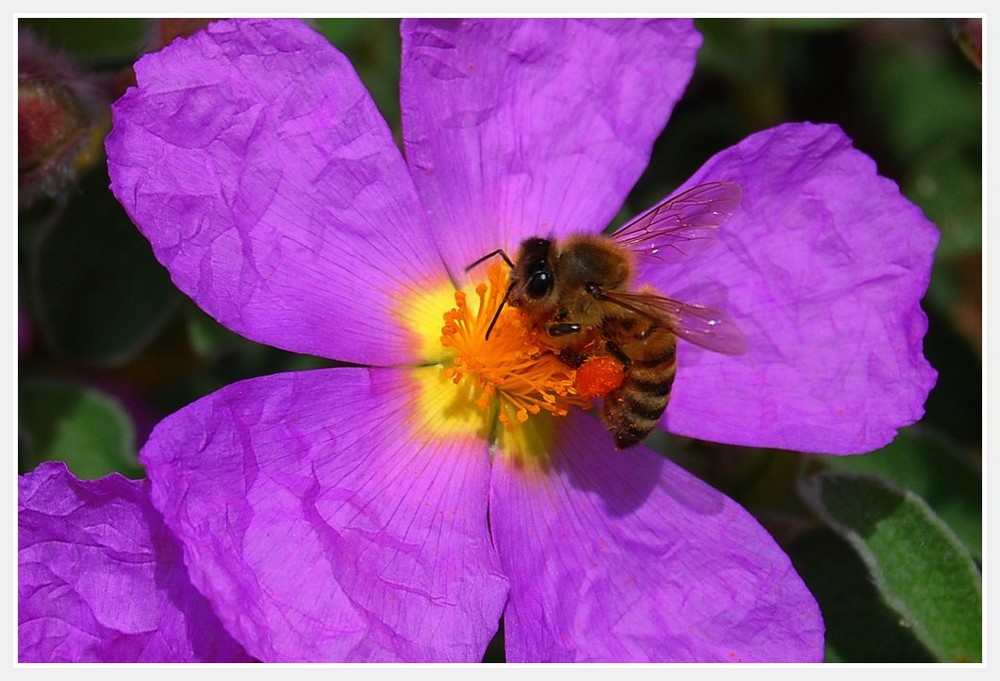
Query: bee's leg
{"points": [[568, 356], [617, 353], [563, 329], [572, 358]]}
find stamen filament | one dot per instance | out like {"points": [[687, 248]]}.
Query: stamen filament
{"points": [[513, 365]]}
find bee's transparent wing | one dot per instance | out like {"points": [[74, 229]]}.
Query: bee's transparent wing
{"points": [[682, 225], [703, 326]]}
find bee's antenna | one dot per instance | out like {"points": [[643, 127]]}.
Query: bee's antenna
{"points": [[492, 254], [503, 302], [506, 294]]}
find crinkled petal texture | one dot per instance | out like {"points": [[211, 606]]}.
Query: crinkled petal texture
{"points": [[257, 165], [520, 128], [823, 268], [624, 557], [322, 528], [101, 579]]}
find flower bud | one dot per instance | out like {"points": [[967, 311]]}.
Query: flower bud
{"points": [[61, 120], [969, 34]]}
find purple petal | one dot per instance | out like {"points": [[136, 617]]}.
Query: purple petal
{"points": [[624, 557], [823, 268], [100, 579], [517, 128], [324, 525], [259, 168]]}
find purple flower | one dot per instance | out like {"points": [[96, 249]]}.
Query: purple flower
{"points": [[100, 578], [380, 512]]}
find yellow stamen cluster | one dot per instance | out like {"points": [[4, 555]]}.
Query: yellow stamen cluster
{"points": [[514, 365]]}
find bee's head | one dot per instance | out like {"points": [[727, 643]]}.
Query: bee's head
{"points": [[533, 281]]}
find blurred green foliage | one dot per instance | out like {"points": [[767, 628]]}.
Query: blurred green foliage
{"points": [[111, 346]]}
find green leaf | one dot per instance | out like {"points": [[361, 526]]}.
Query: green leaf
{"points": [[918, 565], [99, 294], [810, 25], [209, 339], [82, 426], [934, 469], [947, 183], [348, 34], [94, 39], [860, 627], [923, 102], [373, 46], [735, 48]]}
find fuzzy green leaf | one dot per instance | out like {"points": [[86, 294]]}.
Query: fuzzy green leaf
{"points": [[860, 627], [922, 570], [100, 296], [935, 470], [82, 426]]}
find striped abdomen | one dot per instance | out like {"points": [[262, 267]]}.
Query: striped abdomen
{"points": [[633, 409]]}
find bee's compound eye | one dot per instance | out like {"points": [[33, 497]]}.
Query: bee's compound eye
{"points": [[539, 284]]}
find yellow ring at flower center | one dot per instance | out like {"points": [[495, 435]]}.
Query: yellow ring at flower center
{"points": [[513, 378]]}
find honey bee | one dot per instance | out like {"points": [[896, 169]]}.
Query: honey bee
{"points": [[579, 292]]}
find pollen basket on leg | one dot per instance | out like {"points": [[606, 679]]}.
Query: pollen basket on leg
{"points": [[514, 368]]}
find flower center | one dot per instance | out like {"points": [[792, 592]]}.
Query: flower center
{"points": [[514, 368]]}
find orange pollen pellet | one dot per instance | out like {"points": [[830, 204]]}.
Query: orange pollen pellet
{"points": [[599, 375]]}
